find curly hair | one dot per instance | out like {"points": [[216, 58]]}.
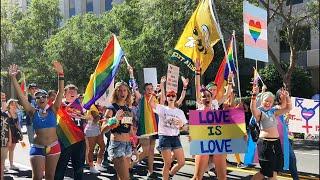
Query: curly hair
{"points": [[114, 96]]}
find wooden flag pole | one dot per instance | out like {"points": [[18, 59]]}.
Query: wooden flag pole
{"points": [[236, 57]]}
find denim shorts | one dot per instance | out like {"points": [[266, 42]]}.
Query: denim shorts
{"points": [[118, 149], [169, 143]]}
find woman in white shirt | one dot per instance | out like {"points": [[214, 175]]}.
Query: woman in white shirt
{"points": [[171, 119]]}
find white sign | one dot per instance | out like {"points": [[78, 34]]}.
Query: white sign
{"points": [[150, 76], [172, 78], [304, 116], [105, 99]]}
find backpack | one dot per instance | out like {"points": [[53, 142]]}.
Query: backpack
{"points": [[255, 130]]}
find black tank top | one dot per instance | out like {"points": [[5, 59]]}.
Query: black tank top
{"points": [[123, 127]]}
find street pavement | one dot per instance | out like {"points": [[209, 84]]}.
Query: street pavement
{"points": [[307, 163]]}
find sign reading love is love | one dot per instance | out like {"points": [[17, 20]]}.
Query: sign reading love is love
{"points": [[255, 32], [304, 116], [217, 132]]}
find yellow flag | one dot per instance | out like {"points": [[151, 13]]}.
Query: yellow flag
{"points": [[198, 38]]}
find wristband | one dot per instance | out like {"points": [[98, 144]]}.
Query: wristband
{"points": [[61, 78], [197, 73], [112, 121]]}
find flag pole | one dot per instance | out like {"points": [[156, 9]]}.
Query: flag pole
{"points": [[236, 57], [216, 21], [125, 59]]}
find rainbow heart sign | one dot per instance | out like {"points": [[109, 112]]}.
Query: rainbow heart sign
{"points": [[255, 29]]}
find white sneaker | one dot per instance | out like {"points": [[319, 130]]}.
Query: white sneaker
{"points": [[94, 171], [100, 168], [210, 166], [13, 167]]}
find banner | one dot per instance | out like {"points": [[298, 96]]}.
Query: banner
{"points": [[172, 78], [304, 116], [150, 76], [217, 132], [198, 38], [255, 32]]}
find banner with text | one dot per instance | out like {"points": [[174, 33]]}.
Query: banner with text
{"points": [[304, 116], [172, 78], [217, 132]]}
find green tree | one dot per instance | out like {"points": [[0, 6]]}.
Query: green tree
{"points": [[29, 32], [79, 45], [301, 80]]}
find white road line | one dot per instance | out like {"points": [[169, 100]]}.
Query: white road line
{"points": [[306, 153]]}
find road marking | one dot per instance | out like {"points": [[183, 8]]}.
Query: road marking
{"points": [[306, 153]]}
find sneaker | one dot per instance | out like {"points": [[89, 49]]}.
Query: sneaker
{"points": [[13, 167], [100, 167], [210, 166], [94, 171], [170, 176], [151, 175], [241, 165]]}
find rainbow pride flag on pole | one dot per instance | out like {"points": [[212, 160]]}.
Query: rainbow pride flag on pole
{"points": [[105, 71], [67, 131], [148, 120], [221, 78]]}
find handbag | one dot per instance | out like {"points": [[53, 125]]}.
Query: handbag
{"points": [[255, 130]]}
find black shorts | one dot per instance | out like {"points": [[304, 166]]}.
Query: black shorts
{"points": [[270, 156]]}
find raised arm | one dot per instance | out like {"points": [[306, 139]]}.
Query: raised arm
{"points": [[183, 93], [197, 82], [133, 85], [163, 91], [287, 107], [253, 104], [13, 71], [59, 69]]}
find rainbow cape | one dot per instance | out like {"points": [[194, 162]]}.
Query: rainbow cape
{"points": [[68, 132], [148, 120], [221, 78], [252, 155], [105, 71]]}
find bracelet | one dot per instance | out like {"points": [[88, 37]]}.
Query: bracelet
{"points": [[61, 78], [197, 73]]}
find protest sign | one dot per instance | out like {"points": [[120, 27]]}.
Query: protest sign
{"points": [[217, 132], [150, 76], [172, 78], [304, 116]]}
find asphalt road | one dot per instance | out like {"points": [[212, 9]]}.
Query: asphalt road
{"points": [[307, 163]]}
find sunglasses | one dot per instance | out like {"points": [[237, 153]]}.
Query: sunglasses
{"points": [[171, 95], [43, 97]]}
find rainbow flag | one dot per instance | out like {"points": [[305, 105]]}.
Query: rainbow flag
{"points": [[148, 120], [105, 71], [221, 78], [68, 132]]}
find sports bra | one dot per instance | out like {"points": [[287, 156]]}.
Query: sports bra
{"points": [[48, 121], [268, 119]]}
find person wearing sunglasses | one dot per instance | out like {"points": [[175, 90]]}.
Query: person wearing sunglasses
{"points": [[45, 151], [171, 120]]}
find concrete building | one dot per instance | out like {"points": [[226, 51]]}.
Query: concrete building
{"points": [[71, 8], [308, 57]]}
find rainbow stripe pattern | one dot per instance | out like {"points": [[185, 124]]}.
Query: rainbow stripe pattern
{"points": [[68, 132], [221, 78], [105, 71], [148, 121]]}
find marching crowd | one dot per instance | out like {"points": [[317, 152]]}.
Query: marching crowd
{"points": [[49, 115]]}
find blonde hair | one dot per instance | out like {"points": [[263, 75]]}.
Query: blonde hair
{"points": [[114, 96]]}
